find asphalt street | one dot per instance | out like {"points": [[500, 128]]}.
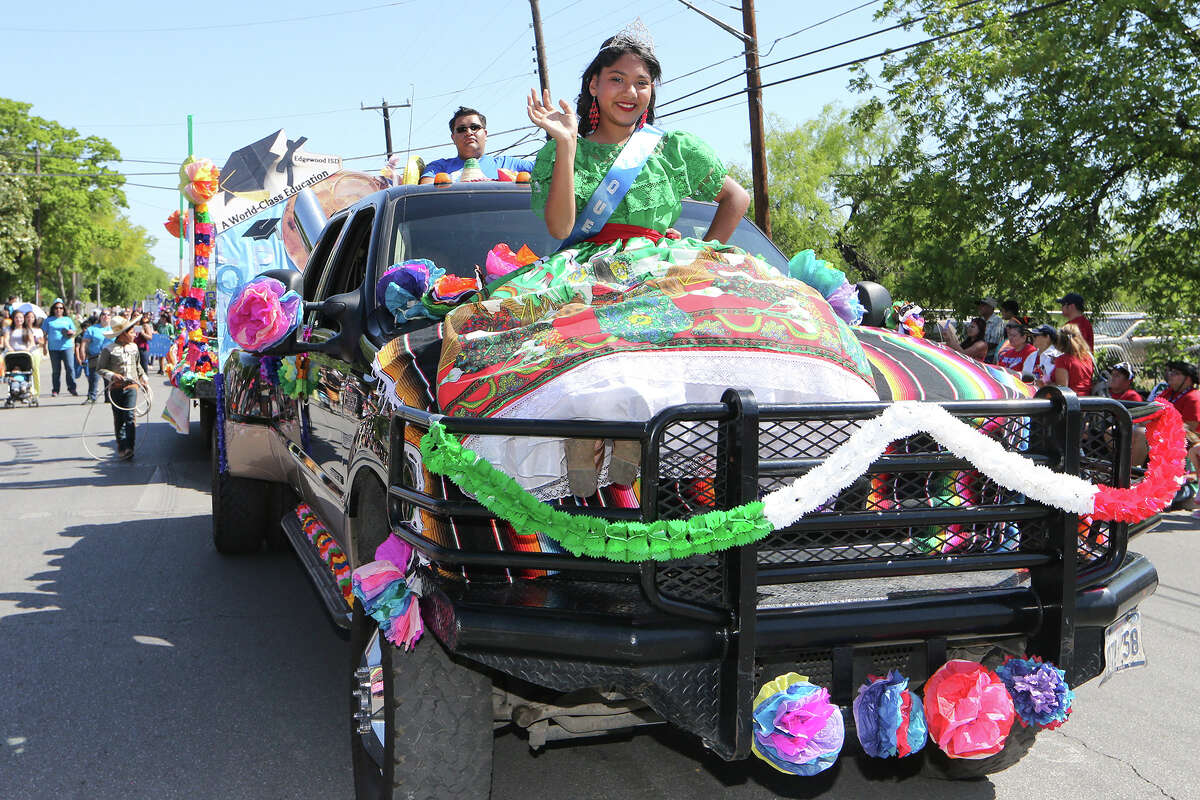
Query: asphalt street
{"points": [[139, 663]]}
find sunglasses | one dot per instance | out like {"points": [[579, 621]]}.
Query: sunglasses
{"points": [[474, 126]]}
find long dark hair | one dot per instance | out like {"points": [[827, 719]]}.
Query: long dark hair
{"points": [[980, 327], [612, 49]]}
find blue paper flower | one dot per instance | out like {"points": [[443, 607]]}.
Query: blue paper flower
{"points": [[1039, 691], [796, 729], [889, 718]]}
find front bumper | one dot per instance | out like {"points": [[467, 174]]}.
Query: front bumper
{"points": [[568, 635]]}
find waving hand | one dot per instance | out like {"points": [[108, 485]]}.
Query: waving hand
{"points": [[560, 125]]}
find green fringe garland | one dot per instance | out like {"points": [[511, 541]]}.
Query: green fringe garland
{"points": [[444, 454]]}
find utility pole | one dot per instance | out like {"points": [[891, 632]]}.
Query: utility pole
{"points": [[540, 46], [758, 153], [387, 120], [758, 150]]}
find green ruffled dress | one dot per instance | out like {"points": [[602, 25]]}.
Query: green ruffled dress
{"points": [[681, 165]]}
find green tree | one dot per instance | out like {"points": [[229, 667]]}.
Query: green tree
{"points": [[1050, 147], [77, 187], [17, 236], [816, 203], [122, 263]]}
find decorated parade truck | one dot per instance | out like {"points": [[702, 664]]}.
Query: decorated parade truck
{"points": [[704, 498]]}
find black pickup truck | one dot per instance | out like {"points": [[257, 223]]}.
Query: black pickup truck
{"points": [[567, 647]]}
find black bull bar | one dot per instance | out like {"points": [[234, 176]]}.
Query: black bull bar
{"points": [[709, 620]]}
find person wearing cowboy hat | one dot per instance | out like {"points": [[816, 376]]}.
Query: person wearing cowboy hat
{"points": [[120, 365]]}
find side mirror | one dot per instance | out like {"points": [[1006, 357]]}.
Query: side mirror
{"points": [[876, 300]]}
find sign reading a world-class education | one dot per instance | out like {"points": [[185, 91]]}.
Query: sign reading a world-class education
{"points": [[265, 174]]}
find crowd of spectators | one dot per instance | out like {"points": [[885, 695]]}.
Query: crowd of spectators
{"points": [[73, 341], [1042, 355]]}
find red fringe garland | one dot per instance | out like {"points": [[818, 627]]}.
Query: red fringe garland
{"points": [[1164, 473]]}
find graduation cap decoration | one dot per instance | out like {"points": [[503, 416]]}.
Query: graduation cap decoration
{"points": [[262, 229], [250, 171]]}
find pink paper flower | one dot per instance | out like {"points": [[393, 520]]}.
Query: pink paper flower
{"points": [[968, 709], [262, 313]]}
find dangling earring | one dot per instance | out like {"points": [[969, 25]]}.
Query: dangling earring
{"points": [[642, 121], [594, 115]]}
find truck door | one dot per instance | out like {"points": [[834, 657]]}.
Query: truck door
{"points": [[326, 429]]}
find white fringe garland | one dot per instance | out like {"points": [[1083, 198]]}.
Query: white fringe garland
{"points": [[844, 465]]}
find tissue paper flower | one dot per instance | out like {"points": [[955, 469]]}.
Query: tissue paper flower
{"points": [[263, 313], [175, 225], [796, 729], [400, 288], [501, 260], [198, 179], [386, 598], [830, 282], [1039, 691], [889, 718], [968, 710]]}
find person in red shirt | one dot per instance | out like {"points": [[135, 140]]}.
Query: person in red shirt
{"points": [[1075, 367], [1119, 383], [1072, 311], [1182, 377], [1016, 348]]}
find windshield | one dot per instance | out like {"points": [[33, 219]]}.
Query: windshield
{"points": [[456, 229]]}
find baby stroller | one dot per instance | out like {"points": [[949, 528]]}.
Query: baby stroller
{"points": [[18, 374]]}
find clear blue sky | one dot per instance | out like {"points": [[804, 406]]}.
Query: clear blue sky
{"points": [[132, 71]]}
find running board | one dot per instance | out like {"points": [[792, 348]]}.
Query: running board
{"points": [[318, 572]]}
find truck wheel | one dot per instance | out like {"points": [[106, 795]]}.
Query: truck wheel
{"points": [[421, 724], [240, 509], [940, 766]]}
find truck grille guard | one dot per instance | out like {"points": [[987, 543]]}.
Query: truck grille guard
{"points": [[919, 511]]}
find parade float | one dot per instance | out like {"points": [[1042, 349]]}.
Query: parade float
{"points": [[736, 494]]}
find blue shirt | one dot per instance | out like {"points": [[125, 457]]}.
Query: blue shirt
{"points": [[489, 165], [56, 329], [95, 338]]}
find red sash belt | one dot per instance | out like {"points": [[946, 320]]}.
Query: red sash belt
{"points": [[613, 232]]}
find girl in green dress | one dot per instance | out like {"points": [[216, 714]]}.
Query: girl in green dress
{"points": [[634, 319], [616, 98]]}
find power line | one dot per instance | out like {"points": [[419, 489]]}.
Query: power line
{"points": [[201, 26], [904, 24], [882, 53], [812, 52], [216, 121], [818, 24], [777, 41], [78, 174], [440, 144], [28, 154], [561, 10], [149, 186]]}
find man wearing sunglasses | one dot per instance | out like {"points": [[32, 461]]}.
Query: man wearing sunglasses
{"points": [[468, 132]]}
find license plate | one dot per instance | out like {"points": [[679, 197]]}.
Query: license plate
{"points": [[1124, 647]]}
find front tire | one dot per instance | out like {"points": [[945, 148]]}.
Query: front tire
{"points": [[240, 509], [420, 724]]}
